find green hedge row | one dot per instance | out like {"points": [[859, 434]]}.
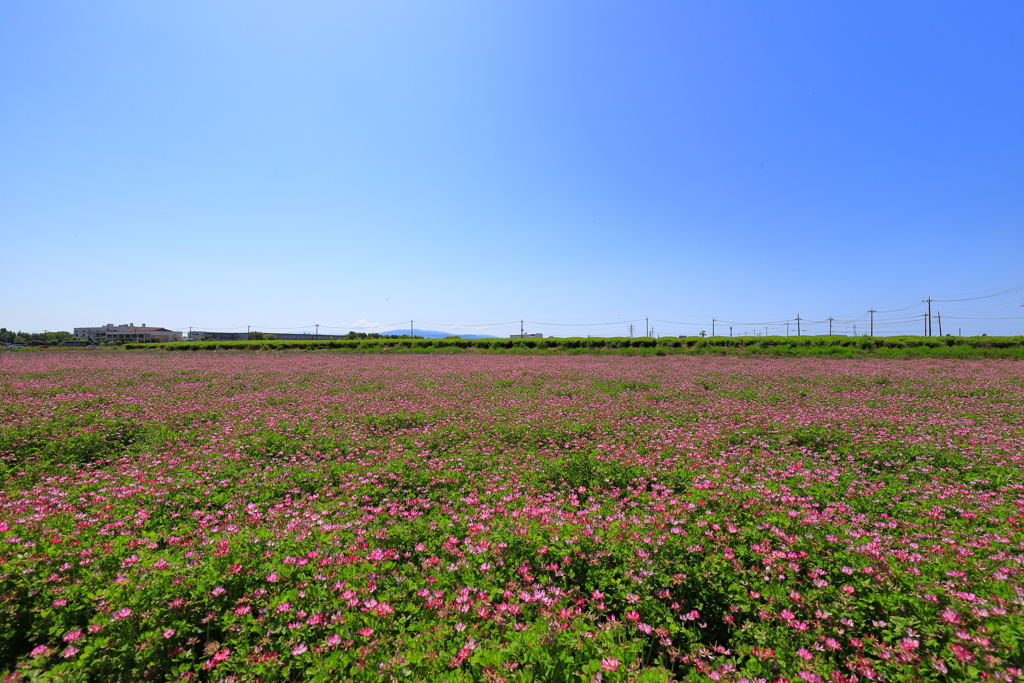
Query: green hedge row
{"points": [[938, 346]]}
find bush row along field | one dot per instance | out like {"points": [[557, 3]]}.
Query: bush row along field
{"points": [[265, 517], [850, 347]]}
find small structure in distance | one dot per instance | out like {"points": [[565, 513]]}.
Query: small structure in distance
{"points": [[127, 333]]}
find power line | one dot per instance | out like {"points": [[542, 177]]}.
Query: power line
{"points": [[873, 316], [617, 322], [1009, 290], [510, 322]]}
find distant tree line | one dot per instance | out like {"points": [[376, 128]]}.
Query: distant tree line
{"points": [[378, 335], [266, 336], [12, 337]]}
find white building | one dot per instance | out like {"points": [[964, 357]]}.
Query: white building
{"points": [[127, 333]]}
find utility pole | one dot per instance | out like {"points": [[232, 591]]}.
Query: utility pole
{"points": [[410, 329], [521, 333], [318, 330], [712, 327], [830, 326], [925, 317], [798, 324], [647, 327], [872, 312], [631, 330], [730, 330], [928, 327], [787, 328], [939, 313]]}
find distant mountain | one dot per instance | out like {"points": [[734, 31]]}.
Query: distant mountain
{"points": [[434, 334]]}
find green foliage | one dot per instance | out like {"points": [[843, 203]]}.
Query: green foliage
{"points": [[824, 346], [11, 337]]}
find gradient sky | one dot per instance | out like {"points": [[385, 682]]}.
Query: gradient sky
{"points": [[219, 164]]}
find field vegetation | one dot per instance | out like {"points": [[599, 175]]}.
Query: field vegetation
{"points": [[507, 517], [827, 346]]}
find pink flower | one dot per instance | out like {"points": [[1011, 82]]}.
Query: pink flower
{"points": [[70, 652], [961, 653], [832, 644], [72, 636], [273, 577], [169, 633], [160, 564], [802, 652], [299, 649], [122, 614], [221, 656], [334, 640], [609, 664], [218, 591], [631, 615], [59, 602], [849, 590], [40, 651], [366, 632], [909, 644]]}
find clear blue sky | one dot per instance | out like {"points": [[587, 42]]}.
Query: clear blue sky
{"points": [[222, 164]]}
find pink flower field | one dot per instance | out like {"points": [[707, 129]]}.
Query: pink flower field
{"points": [[333, 516]]}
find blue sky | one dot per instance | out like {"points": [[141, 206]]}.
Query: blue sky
{"points": [[217, 164]]}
